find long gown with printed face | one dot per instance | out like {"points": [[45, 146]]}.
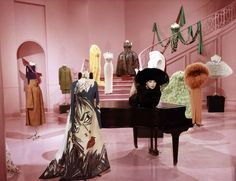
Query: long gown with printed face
{"points": [[83, 154]]}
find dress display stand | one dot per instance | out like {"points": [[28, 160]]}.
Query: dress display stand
{"points": [[35, 135], [108, 72], [63, 108], [217, 69]]}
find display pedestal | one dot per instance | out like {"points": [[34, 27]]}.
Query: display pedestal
{"points": [[64, 108], [215, 103]]}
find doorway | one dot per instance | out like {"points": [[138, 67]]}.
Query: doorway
{"points": [[31, 52]]}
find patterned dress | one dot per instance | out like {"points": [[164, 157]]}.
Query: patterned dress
{"points": [[83, 154]]}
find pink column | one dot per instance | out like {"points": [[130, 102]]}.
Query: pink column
{"points": [[3, 176]]}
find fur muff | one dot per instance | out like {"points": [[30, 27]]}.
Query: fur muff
{"points": [[196, 74]]}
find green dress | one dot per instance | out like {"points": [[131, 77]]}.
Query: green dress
{"points": [[176, 92]]}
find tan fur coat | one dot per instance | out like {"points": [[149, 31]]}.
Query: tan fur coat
{"points": [[35, 114]]}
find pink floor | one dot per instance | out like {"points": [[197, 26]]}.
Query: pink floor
{"points": [[207, 153]]}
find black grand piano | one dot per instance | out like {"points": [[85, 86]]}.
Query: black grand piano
{"points": [[169, 118]]}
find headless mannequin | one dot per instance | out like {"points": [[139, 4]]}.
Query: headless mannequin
{"points": [[35, 115]]}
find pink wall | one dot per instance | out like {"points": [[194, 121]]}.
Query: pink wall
{"points": [[65, 29], [228, 55], [2, 131]]}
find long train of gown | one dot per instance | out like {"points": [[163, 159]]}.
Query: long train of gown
{"points": [[83, 154]]}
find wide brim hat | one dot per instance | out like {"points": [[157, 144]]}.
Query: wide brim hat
{"points": [[147, 74]]}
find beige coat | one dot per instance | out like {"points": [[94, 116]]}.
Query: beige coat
{"points": [[35, 114], [65, 79]]}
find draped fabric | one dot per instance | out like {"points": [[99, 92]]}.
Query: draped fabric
{"points": [[181, 17], [83, 154], [176, 35]]}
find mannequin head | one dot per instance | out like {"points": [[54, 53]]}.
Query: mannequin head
{"points": [[91, 75], [79, 75], [127, 45]]}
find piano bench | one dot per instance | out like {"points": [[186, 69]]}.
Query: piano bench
{"points": [[144, 132]]}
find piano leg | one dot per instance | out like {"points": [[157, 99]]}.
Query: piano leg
{"points": [[153, 151], [175, 145], [135, 133], [156, 150]]}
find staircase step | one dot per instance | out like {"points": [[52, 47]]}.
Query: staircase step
{"points": [[113, 95], [121, 89], [115, 91]]}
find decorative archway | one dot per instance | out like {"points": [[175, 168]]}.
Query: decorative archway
{"points": [[32, 52]]}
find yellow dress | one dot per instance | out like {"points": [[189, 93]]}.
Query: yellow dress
{"points": [[95, 63]]}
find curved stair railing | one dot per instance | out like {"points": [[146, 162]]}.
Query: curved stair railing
{"points": [[211, 23]]}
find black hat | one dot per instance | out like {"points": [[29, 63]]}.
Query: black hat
{"points": [[147, 74]]}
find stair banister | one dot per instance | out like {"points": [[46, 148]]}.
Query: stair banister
{"points": [[210, 23]]}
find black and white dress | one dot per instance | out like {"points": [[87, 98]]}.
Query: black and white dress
{"points": [[83, 154]]}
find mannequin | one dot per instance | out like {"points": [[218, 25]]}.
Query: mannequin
{"points": [[95, 63], [83, 154], [89, 89], [176, 92], [35, 115], [108, 72], [31, 72], [127, 61], [156, 60], [195, 76], [65, 79]]}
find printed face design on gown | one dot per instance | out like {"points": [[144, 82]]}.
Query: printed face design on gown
{"points": [[151, 84], [84, 116]]}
